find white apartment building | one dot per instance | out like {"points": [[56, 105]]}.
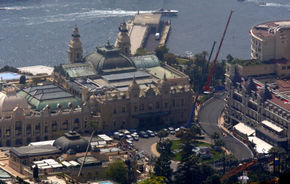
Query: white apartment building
{"points": [[270, 41]]}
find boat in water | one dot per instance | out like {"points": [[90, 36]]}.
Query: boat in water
{"points": [[165, 12]]}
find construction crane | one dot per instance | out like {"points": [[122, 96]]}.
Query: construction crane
{"points": [[238, 169], [192, 113], [206, 86]]}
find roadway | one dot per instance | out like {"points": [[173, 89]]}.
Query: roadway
{"points": [[208, 117]]}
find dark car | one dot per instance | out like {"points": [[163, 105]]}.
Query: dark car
{"points": [[150, 133], [143, 134]]}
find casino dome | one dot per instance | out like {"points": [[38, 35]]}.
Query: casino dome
{"points": [[71, 142], [108, 59], [9, 100]]}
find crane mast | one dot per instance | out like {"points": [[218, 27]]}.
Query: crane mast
{"points": [[206, 86]]}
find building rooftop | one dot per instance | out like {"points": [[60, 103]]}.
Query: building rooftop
{"points": [[37, 70], [281, 95], [9, 76], [272, 126], [159, 72], [71, 142], [79, 70], [261, 146], [29, 151], [241, 127], [49, 94], [147, 61], [268, 29], [126, 76]]}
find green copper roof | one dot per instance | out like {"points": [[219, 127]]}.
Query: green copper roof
{"points": [[159, 72], [79, 70], [147, 61], [40, 96]]}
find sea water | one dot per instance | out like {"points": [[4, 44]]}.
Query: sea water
{"points": [[38, 31]]}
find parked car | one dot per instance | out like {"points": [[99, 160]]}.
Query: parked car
{"points": [[118, 135], [124, 131], [143, 134], [129, 142], [171, 130], [129, 137], [135, 137], [133, 131], [157, 36], [150, 133], [166, 130]]}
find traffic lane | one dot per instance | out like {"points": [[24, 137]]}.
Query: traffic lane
{"points": [[208, 117], [240, 151]]}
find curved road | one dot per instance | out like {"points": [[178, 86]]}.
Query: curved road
{"points": [[208, 117]]}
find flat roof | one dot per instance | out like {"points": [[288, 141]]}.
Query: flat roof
{"points": [[241, 127], [266, 29], [159, 72], [37, 70], [49, 142], [79, 70], [272, 126], [261, 146], [9, 76], [126, 76], [28, 151], [105, 137]]}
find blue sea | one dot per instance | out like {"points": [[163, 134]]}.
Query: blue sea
{"points": [[38, 31]]}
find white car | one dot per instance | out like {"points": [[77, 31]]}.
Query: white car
{"points": [[129, 137], [135, 137]]}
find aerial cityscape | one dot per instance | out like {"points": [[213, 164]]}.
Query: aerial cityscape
{"points": [[145, 92]]}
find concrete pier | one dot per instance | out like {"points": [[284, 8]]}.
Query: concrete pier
{"points": [[142, 30]]}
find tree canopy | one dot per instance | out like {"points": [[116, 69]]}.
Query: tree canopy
{"points": [[154, 180], [118, 172]]}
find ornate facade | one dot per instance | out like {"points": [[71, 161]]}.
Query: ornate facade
{"points": [[123, 40], [112, 89], [255, 101]]}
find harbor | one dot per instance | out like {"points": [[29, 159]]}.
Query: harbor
{"points": [[148, 31]]}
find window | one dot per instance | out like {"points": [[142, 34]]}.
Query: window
{"points": [[123, 109], [37, 128], [157, 105], [150, 106], [135, 107], [28, 129], [76, 123], [114, 111], [8, 132], [114, 123], [142, 107], [182, 102], [288, 67], [173, 103], [165, 105], [54, 126], [65, 125]]}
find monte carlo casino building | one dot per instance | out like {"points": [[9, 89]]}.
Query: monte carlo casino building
{"points": [[108, 86]]}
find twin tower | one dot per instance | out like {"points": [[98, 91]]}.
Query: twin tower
{"points": [[75, 47]]}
